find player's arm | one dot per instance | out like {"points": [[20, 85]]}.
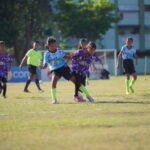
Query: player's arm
{"points": [[23, 61], [118, 59], [136, 58], [45, 60]]}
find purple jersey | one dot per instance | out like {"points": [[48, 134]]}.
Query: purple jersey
{"points": [[81, 61], [4, 60]]}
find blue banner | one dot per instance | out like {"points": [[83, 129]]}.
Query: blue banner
{"points": [[20, 75]]}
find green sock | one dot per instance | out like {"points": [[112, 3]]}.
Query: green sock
{"points": [[53, 93], [84, 90], [132, 82], [127, 85]]}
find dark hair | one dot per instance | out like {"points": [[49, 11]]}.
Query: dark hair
{"points": [[2, 42], [49, 41], [92, 44], [36, 42], [82, 41], [130, 38]]}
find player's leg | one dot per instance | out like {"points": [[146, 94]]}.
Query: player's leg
{"points": [[4, 87], [30, 77], [55, 79], [127, 80], [134, 77], [37, 82], [133, 80], [83, 89], [69, 75], [1, 87], [126, 67]]}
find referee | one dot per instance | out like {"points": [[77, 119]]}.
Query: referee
{"points": [[33, 57]]}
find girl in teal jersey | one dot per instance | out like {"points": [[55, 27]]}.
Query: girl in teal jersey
{"points": [[128, 53], [55, 59]]}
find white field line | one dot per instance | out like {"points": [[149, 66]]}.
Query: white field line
{"points": [[46, 112]]}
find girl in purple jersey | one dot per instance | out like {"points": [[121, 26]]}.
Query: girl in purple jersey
{"points": [[54, 58], [80, 63], [5, 59]]}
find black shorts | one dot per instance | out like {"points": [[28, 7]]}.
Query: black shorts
{"points": [[128, 66], [32, 69], [80, 79], [63, 72], [2, 79]]}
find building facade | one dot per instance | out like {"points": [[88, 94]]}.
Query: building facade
{"points": [[135, 22]]}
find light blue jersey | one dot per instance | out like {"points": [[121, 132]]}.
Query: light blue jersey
{"points": [[54, 60], [128, 53]]}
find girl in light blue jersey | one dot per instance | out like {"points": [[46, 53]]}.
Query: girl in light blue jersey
{"points": [[54, 58], [128, 53]]}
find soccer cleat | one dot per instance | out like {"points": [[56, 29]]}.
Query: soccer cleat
{"points": [[127, 93], [41, 91], [131, 89], [54, 101], [26, 91], [90, 99], [79, 99], [4, 97]]}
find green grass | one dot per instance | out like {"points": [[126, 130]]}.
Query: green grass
{"points": [[28, 121]]}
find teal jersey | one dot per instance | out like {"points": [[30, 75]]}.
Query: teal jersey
{"points": [[128, 53], [54, 60]]}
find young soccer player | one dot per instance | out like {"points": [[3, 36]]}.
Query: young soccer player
{"points": [[80, 63], [33, 57], [5, 64], [128, 53], [55, 58]]}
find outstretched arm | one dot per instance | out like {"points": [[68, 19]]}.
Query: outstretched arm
{"points": [[22, 62]]}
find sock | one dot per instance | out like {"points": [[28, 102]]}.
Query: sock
{"points": [[132, 82], [27, 84], [37, 84], [4, 90], [127, 85], [53, 93], [84, 90], [1, 88], [76, 90]]}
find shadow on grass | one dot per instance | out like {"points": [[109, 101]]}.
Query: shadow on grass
{"points": [[123, 102]]}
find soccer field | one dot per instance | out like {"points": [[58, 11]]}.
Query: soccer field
{"points": [[28, 121]]}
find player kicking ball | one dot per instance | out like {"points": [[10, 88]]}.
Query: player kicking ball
{"points": [[128, 53], [55, 58]]}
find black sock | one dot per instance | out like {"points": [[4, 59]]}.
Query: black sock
{"points": [[37, 84], [27, 84], [1, 88], [77, 86], [4, 90]]}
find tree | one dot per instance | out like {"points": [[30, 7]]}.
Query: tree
{"points": [[85, 18], [23, 21]]}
